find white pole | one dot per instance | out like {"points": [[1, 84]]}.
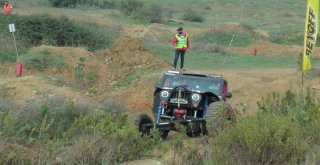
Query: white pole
{"points": [[15, 44], [12, 30]]}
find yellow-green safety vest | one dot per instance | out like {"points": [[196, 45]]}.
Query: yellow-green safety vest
{"points": [[181, 42]]}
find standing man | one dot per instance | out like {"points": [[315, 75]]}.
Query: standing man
{"points": [[181, 43], [7, 8]]}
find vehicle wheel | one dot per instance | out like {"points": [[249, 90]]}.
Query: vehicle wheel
{"points": [[164, 134], [139, 120], [193, 129], [218, 116]]}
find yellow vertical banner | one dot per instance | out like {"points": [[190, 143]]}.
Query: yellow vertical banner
{"points": [[311, 32]]}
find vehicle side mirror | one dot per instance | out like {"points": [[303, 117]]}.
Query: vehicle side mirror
{"points": [[229, 95]]}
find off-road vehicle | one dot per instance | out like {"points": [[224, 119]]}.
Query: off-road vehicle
{"points": [[196, 101]]}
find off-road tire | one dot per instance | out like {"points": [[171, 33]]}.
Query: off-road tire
{"points": [[139, 120], [193, 129], [164, 134], [219, 115]]}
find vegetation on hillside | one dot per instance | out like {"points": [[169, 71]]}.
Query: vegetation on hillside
{"points": [[68, 132], [106, 4], [35, 30], [284, 131]]}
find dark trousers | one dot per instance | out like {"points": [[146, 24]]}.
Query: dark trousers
{"points": [[181, 53]]}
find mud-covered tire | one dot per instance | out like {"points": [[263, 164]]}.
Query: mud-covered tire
{"points": [[164, 134], [193, 129], [138, 120], [219, 115]]}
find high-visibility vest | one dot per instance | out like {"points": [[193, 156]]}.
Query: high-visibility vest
{"points": [[7, 9], [181, 42]]}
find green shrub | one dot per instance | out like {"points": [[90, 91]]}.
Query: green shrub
{"points": [[155, 13], [35, 30], [42, 60], [79, 69], [64, 3], [38, 61], [131, 77], [129, 7], [280, 133], [109, 140], [43, 121], [106, 4], [91, 76], [263, 139], [58, 62], [8, 56], [192, 15]]}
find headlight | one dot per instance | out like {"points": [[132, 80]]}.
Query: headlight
{"points": [[164, 94], [195, 97]]}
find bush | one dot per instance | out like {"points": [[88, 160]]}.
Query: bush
{"points": [[192, 15], [75, 138], [38, 61], [106, 4], [107, 140], [64, 3], [79, 69], [59, 63], [129, 7], [267, 139], [8, 56], [40, 121], [35, 30], [280, 133], [154, 13]]}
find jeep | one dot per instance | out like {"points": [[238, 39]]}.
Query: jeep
{"points": [[196, 101]]}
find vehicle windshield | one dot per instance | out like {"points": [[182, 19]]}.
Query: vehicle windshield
{"points": [[193, 83]]}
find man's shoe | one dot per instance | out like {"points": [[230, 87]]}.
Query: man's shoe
{"points": [[183, 69], [173, 68]]}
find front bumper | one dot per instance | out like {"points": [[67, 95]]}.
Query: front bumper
{"points": [[170, 124]]}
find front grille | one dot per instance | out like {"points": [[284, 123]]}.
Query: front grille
{"points": [[179, 97]]}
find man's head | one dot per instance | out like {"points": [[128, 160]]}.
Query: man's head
{"points": [[180, 30], [5, 2]]}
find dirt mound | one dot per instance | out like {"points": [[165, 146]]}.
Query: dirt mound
{"points": [[34, 89], [92, 64], [130, 53], [123, 58], [109, 67], [138, 97], [71, 55], [153, 32]]}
